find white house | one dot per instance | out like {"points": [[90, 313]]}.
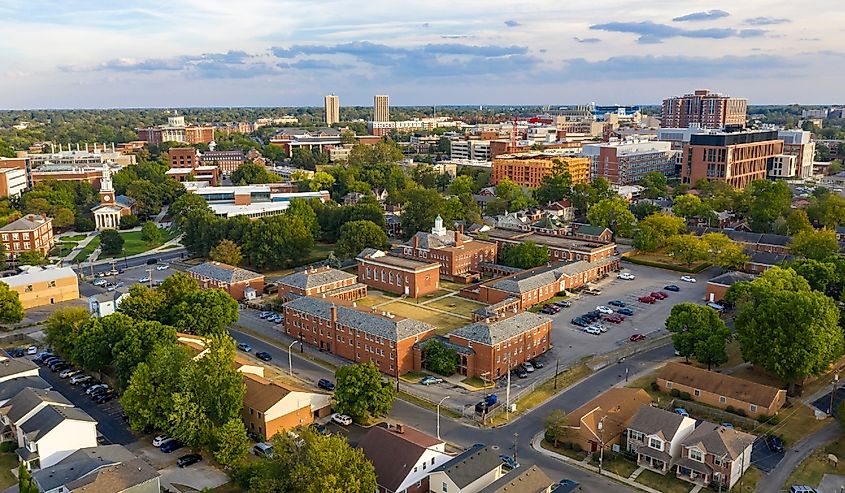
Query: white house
{"points": [[655, 436], [16, 368], [403, 457], [53, 433], [25, 405], [104, 304], [471, 471]]}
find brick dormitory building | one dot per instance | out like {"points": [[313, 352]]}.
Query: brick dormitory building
{"points": [[398, 275], [323, 282], [561, 248]]}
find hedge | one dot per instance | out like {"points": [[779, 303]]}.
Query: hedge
{"points": [[659, 265]]}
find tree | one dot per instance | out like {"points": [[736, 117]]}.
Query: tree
{"points": [[687, 206], [613, 213], [786, 328], [422, 206], [148, 400], [226, 252], [11, 309], [321, 181], [361, 392], [32, 257], [150, 233], [111, 242], [358, 235], [26, 484], [461, 185], [147, 195], [231, 443], [654, 230], [820, 275], [252, 174], [439, 358], [135, 345], [556, 426], [277, 242], [186, 204], [63, 326], [797, 221], [655, 185], [299, 208], [769, 200], [688, 249], [698, 331], [827, 210], [814, 244], [97, 337], [724, 252], [524, 255], [554, 186], [205, 312], [63, 217]]}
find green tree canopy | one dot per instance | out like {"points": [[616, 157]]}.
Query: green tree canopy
{"points": [[814, 244], [655, 185], [556, 426], [613, 213], [654, 230], [525, 255], [150, 233], [226, 252], [422, 206], [439, 358], [555, 186], [698, 331], [111, 242], [361, 392], [251, 174], [769, 200], [358, 235], [11, 309], [688, 249]]}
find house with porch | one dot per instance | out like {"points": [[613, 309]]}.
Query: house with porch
{"points": [[655, 436], [713, 453], [603, 420]]}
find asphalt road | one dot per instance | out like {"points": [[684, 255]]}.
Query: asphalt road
{"points": [[120, 263]]}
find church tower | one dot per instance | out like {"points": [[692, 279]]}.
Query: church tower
{"points": [[106, 188]]}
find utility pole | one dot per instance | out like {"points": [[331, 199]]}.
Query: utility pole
{"points": [[601, 443], [557, 369], [150, 277], [508, 390], [438, 415], [833, 393], [515, 438]]}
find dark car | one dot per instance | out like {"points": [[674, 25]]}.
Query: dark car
{"points": [[538, 363], [187, 460], [520, 372], [88, 383], [566, 486], [170, 446], [263, 356], [509, 461], [481, 408], [580, 322], [322, 430], [658, 295], [547, 311], [326, 384], [614, 319], [563, 304], [552, 307], [774, 443], [636, 337], [253, 436], [618, 303], [99, 393], [105, 397], [60, 367], [672, 287], [593, 315], [625, 311], [18, 352], [646, 299]]}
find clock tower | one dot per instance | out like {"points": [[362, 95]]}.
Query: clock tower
{"points": [[106, 189]]}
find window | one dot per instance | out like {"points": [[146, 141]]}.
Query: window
{"points": [[722, 399], [655, 443], [668, 385], [696, 392], [636, 435], [445, 487], [696, 455], [753, 408]]}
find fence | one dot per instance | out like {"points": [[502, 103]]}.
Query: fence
{"points": [[716, 415]]}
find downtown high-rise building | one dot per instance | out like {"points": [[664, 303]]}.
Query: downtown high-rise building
{"points": [[332, 109], [703, 109], [381, 108]]}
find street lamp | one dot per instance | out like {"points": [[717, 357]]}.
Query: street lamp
{"points": [[515, 438], [290, 357], [833, 393], [438, 415], [601, 443]]}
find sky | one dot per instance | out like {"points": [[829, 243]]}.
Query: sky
{"points": [[179, 53]]}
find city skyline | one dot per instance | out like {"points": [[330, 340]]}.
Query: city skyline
{"points": [[268, 53]]}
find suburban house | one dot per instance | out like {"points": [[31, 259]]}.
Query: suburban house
{"points": [[603, 420], [403, 457], [722, 391], [38, 286], [241, 284], [16, 368], [104, 304], [14, 386], [719, 285], [321, 281], [715, 453], [399, 275], [530, 480], [469, 472], [24, 406], [759, 262], [655, 436], [53, 433], [270, 407], [106, 468]]}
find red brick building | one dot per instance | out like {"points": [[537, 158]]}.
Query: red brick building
{"points": [[457, 253], [183, 157], [323, 281], [398, 275], [241, 284], [737, 158], [29, 233], [226, 161], [356, 334], [561, 248], [704, 109]]}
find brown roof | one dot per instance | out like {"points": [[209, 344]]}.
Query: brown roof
{"points": [[616, 407], [116, 478], [262, 394], [720, 384], [394, 454], [718, 440], [531, 480]]}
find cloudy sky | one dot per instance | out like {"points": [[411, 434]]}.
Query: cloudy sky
{"points": [[155, 53]]}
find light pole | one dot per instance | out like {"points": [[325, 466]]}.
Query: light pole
{"points": [[515, 438], [601, 443], [833, 393], [438, 415], [557, 370], [290, 357]]}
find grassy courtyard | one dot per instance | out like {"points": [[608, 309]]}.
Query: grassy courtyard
{"points": [[86, 252], [133, 244], [8, 461]]}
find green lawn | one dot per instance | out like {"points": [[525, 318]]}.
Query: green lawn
{"points": [[618, 465], [8, 461], [665, 484], [73, 238], [810, 471], [133, 244], [86, 252]]}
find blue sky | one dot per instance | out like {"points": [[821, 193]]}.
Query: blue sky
{"points": [[94, 53]]}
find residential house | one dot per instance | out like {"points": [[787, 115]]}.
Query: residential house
{"points": [[393, 224], [399, 275], [759, 262], [271, 407], [104, 304], [53, 433], [753, 242], [322, 281], [528, 480], [241, 284], [106, 468], [15, 385], [713, 453], [469, 472], [24, 406], [12, 368], [39, 286], [719, 285], [603, 420], [655, 436], [403, 457], [720, 390], [31, 233], [562, 209], [588, 232]]}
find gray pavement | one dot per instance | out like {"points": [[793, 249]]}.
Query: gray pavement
{"points": [[774, 481]]}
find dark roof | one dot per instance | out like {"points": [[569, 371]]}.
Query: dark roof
{"points": [[589, 229], [530, 480], [26, 223], [657, 454], [656, 421], [312, 278], [779, 240], [501, 330], [12, 387], [394, 454], [446, 342], [79, 464], [544, 276], [223, 272], [731, 278], [28, 399], [48, 418], [117, 477], [14, 366], [767, 258], [471, 465]]}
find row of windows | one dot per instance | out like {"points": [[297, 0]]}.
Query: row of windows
{"points": [[722, 399], [339, 328]]}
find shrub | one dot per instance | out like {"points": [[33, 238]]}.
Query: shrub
{"points": [[576, 447], [654, 386], [740, 412], [675, 393], [730, 409], [8, 447], [772, 420], [685, 396], [549, 436], [567, 445]]}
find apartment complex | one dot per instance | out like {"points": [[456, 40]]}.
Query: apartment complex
{"points": [[399, 275], [227, 162], [714, 453], [13, 182], [356, 334], [271, 407], [627, 162], [323, 140], [381, 108], [528, 169], [470, 150], [737, 158], [332, 103], [29, 233], [321, 281], [241, 284], [39, 286], [798, 143], [459, 255], [177, 131], [703, 109]]}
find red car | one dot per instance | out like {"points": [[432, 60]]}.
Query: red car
{"points": [[657, 295], [636, 337], [614, 319], [646, 299]]}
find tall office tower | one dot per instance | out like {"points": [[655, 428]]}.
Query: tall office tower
{"points": [[703, 109], [381, 108], [332, 109]]}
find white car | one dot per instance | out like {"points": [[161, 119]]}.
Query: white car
{"points": [[606, 310], [161, 267], [32, 350], [79, 378], [159, 440], [687, 278], [626, 276], [600, 327], [528, 367], [592, 330], [341, 419], [99, 282], [94, 388]]}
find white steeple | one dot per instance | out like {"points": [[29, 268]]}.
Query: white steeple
{"points": [[438, 228], [105, 181]]}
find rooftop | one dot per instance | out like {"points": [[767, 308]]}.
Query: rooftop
{"points": [[311, 278], [370, 254], [530, 480], [470, 465], [731, 278], [224, 272], [30, 398], [544, 276], [79, 464], [10, 388], [50, 416], [501, 330], [394, 454], [26, 223], [655, 421], [39, 275], [718, 440], [116, 477], [15, 366], [720, 384]]}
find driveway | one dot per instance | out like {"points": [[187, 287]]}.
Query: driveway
{"points": [[200, 477], [764, 459]]}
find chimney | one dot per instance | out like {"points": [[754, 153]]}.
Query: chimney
{"points": [[458, 235], [415, 242], [334, 314]]}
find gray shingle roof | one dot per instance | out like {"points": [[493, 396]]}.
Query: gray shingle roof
{"points": [[14, 366], [48, 418], [402, 262], [12, 387], [394, 329], [529, 480], [471, 465], [28, 399], [731, 278], [310, 279], [496, 332], [79, 464], [430, 241], [718, 440], [223, 272], [26, 223], [656, 421], [544, 276]]}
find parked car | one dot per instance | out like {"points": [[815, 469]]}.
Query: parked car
{"points": [[715, 306], [99, 282], [430, 380], [187, 460], [90, 390], [244, 347], [69, 373], [538, 363], [264, 314], [32, 350], [159, 440], [143, 280], [604, 310], [626, 276], [566, 486], [99, 392], [341, 419], [681, 412], [87, 384], [79, 378], [672, 287], [60, 367], [618, 303], [728, 425], [593, 315], [687, 278], [547, 311], [563, 303], [170, 446], [600, 327], [528, 367], [509, 461], [520, 372], [593, 291], [614, 319], [491, 399], [104, 397], [658, 295], [551, 307], [263, 450], [322, 430], [646, 299], [592, 330], [580, 321], [636, 337], [161, 267], [325, 384], [263, 356], [774, 443], [625, 311], [798, 488]]}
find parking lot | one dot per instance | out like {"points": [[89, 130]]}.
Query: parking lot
{"points": [[125, 280]]}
